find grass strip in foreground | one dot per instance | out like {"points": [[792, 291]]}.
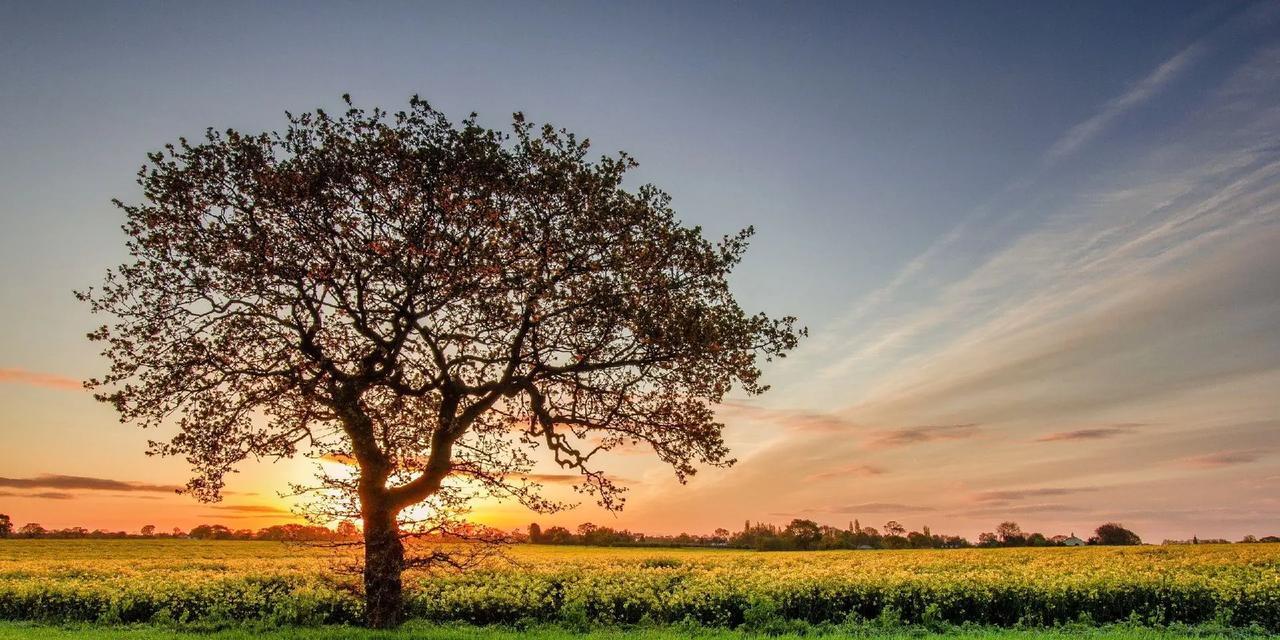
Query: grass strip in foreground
{"points": [[424, 631]]}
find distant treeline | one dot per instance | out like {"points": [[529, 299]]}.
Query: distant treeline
{"points": [[798, 535], [1244, 540], [344, 531], [802, 535]]}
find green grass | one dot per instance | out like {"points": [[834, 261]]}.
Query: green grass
{"points": [[421, 631]]}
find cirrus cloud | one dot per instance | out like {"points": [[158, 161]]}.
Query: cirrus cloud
{"points": [[923, 434], [85, 483], [39, 379]]}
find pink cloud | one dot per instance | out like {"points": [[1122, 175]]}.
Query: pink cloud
{"points": [[65, 482], [1001, 496], [1096, 433], [38, 379], [847, 471], [920, 435], [1222, 459]]}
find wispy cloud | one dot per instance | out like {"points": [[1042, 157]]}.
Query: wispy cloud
{"points": [[42, 495], [38, 379], [882, 507], [896, 331], [85, 483], [848, 471], [1014, 510], [1222, 459], [1093, 433], [923, 434], [251, 508], [1141, 92], [1013, 495]]}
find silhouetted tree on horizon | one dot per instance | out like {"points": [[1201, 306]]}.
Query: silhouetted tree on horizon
{"points": [[427, 302], [804, 533], [1113, 533], [1010, 533], [31, 530]]}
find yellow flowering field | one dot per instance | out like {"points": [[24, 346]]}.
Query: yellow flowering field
{"points": [[187, 580]]}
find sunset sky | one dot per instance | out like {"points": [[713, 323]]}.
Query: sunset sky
{"points": [[1037, 246]]}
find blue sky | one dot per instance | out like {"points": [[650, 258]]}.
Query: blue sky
{"points": [[1035, 244]]}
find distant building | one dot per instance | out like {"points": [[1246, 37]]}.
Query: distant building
{"points": [[1072, 541]]}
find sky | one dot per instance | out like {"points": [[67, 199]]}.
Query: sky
{"points": [[1037, 246]]}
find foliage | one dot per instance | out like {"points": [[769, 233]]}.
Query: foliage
{"points": [[345, 531], [147, 580], [423, 300], [1114, 533], [801, 535]]}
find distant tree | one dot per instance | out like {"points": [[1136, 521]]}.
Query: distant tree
{"points": [[148, 530], [1037, 540], [988, 539], [1010, 533], [894, 542], [428, 301], [869, 537], [557, 535], [6, 526], [32, 530], [804, 533], [291, 531], [211, 532], [586, 528], [1249, 539], [833, 538], [1113, 533], [535, 533], [722, 533], [920, 540], [893, 528], [347, 530], [178, 533]]}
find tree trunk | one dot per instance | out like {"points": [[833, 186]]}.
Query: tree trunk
{"points": [[383, 564]]}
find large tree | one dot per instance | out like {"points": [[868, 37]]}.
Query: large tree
{"points": [[432, 303]]}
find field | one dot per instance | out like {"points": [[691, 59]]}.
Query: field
{"points": [[217, 583]]}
